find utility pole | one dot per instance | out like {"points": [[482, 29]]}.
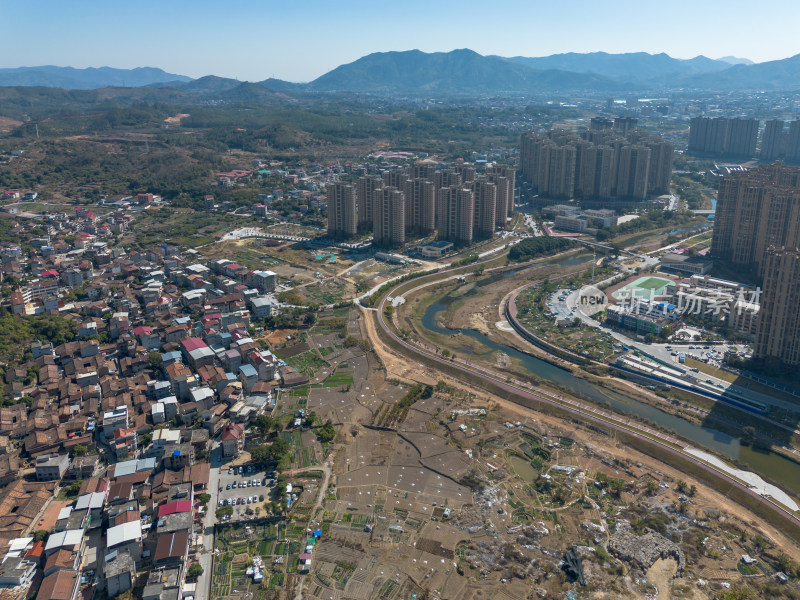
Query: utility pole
{"points": [[594, 262]]}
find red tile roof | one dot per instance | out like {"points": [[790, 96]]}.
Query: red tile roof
{"points": [[193, 343], [179, 506]]}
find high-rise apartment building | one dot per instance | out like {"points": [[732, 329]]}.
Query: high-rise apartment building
{"points": [[660, 170], [601, 123], [420, 206], [485, 193], [624, 125], [596, 177], [723, 137], [602, 163], [365, 193], [423, 171], [773, 141], [342, 219], [505, 205], [778, 328], [756, 209], [793, 142], [396, 177], [446, 178], [456, 207], [633, 172], [467, 172], [743, 137], [389, 218]]}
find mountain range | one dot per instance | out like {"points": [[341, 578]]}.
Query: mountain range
{"points": [[70, 78], [459, 72]]}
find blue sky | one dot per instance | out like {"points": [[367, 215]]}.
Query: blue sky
{"points": [[300, 40]]}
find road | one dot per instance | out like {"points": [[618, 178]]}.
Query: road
{"points": [[327, 469], [203, 591], [585, 411]]}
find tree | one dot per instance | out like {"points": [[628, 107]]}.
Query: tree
{"points": [[311, 419], [682, 487], [264, 424], [41, 535], [748, 435], [651, 487], [155, 359], [204, 498], [326, 433], [195, 570], [649, 338], [224, 511], [264, 454], [74, 488], [79, 450]]}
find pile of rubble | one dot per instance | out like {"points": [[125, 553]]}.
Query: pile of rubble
{"points": [[644, 550]]}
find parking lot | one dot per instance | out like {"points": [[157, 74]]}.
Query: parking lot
{"points": [[242, 490], [557, 303]]}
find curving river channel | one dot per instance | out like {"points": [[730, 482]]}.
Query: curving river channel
{"points": [[767, 464]]}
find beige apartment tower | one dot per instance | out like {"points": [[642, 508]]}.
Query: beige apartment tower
{"points": [[778, 327], [342, 219], [389, 218], [365, 193], [632, 173], [484, 194], [456, 208], [420, 206], [756, 209]]}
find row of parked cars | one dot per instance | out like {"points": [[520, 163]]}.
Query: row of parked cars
{"points": [[245, 483], [245, 500]]}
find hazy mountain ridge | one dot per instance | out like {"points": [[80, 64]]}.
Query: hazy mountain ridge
{"points": [[459, 72], [456, 72], [632, 67], [781, 74], [86, 79]]}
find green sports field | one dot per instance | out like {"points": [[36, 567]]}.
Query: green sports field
{"points": [[642, 286]]}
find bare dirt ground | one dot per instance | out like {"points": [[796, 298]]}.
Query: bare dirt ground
{"points": [[7, 124], [398, 366], [176, 118]]}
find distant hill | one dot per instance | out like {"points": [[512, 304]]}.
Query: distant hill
{"points": [[91, 78], [632, 68], [732, 60], [413, 72], [210, 84], [279, 85], [456, 72], [781, 74]]}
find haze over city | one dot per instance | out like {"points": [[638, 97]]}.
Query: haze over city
{"points": [[253, 41]]}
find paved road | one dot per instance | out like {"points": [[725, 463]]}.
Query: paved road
{"points": [[203, 591]]}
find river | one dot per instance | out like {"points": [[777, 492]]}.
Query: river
{"points": [[767, 464]]}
